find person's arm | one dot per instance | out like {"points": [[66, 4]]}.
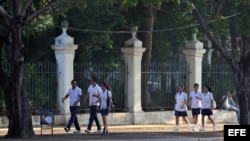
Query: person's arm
{"points": [[190, 100], [185, 101], [65, 97], [212, 103], [198, 97], [79, 97], [110, 100], [98, 96], [224, 98], [86, 97]]}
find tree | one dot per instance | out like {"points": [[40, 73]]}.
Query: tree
{"points": [[239, 31], [16, 15]]}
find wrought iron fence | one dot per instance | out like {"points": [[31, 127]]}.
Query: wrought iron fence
{"points": [[160, 82], [220, 77], [40, 86]]}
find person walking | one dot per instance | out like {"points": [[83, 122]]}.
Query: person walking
{"points": [[75, 94], [181, 107], [228, 104], [93, 94], [207, 106], [106, 101], [195, 98]]}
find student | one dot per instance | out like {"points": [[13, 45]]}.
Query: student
{"points": [[106, 100], [93, 94], [195, 98], [75, 94], [207, 106], [181, 107], [228, 104]]}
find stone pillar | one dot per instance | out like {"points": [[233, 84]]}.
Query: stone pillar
{"points": [[194, 52], [64, 51], [133, 52]]}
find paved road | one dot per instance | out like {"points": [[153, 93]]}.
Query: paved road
{"points": [[127, 133]]}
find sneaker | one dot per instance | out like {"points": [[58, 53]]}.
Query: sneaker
{"points": [[77, 131], [202, 129], [66, 129], [98, 131], [176, 129], [87, 131], [194, 129], [214, 127]]}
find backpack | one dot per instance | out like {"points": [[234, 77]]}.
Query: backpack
{"points": [[113, 101]]}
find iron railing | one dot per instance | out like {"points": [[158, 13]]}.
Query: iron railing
{"points": [[159, 83]]}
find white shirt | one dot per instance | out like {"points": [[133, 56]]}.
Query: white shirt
{"points": [[104, 98], [74, 95], [180, 99], [196, 103], [94, 90], [206, 99], [226, 103]]}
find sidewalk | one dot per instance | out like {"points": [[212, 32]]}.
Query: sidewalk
{"points": [[128, 133]]}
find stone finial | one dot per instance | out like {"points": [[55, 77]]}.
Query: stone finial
{"points": [[194, 34], [64, 38], [64, 24], [208, 42], [133, 41]]}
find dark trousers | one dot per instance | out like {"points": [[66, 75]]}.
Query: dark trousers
{"points": [[73, 118], [93, 117]]}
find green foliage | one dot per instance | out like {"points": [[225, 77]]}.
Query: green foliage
{"points": [[166, 44], [96, 44], [39, 24], [220, 26]]}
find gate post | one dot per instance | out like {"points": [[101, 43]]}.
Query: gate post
{"points": [[65, 52], [194, 52], [132, 52]]}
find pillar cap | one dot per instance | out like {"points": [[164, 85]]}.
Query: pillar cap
{"points": [[64, 24], [133, 41], [64, 38]]}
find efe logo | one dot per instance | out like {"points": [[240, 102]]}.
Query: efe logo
{"points": [[236, 132]]}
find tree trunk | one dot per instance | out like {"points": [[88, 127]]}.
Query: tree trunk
{"points": [[243, 85], [147, 38], [18, 108], [243, 91]]}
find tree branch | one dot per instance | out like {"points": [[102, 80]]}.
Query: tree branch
{"points": [[212, 38], [25, 8], [5, 16], [17, 7], [50, 6], [1, 1]]}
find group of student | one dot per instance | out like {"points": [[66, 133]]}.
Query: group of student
{"points": [[201, 103], [98, 96]]}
